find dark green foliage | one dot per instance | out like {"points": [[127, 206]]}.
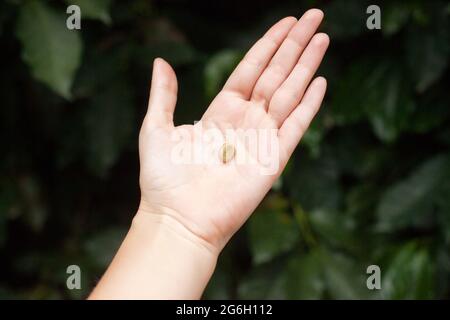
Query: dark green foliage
{"points": [[370, 183]]}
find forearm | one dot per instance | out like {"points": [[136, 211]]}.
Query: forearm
{"points": [[159, 259]]}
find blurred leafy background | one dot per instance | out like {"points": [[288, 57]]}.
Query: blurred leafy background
{"points": [[370, 183]]}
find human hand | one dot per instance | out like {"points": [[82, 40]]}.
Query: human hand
{"points": [[271, 91]]}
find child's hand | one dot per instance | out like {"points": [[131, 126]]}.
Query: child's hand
{"points": [[272, 88]]}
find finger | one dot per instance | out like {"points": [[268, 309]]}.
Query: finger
{"points": [[244, 77], [287, 56], [288, 96], [163, 94], [299, 120]]}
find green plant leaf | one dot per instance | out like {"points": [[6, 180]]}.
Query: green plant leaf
{"points": [[51, 50], [93, 9], [379, 92], [102, 246], [109, 121], [394, 17], [218, 286], [334, 228], [345, 278], [410, 202], [347, 102], [432, 111], [263, 282], [428, 53], [409, 275], [303, 277], [275, 221], [218, 68], [313, 183], [177, 53], [346, 21], [389, 102], [35, 210], [313, 136]]}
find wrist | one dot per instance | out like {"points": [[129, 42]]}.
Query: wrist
{"points": [[146, 221], [188, 260], [159, 259], [203, 234]]}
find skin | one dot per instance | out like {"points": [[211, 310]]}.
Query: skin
{"points": [[188, 212]]}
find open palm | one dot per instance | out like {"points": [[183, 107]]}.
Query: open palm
{"points": [[267, 104]]}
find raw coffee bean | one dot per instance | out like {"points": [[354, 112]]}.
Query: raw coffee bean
{"points": [[227, 152]]}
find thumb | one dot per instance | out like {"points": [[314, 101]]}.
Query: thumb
{"points": [[163, 94]]}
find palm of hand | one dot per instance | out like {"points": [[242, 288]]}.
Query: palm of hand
{"points": [[266, 96]]}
